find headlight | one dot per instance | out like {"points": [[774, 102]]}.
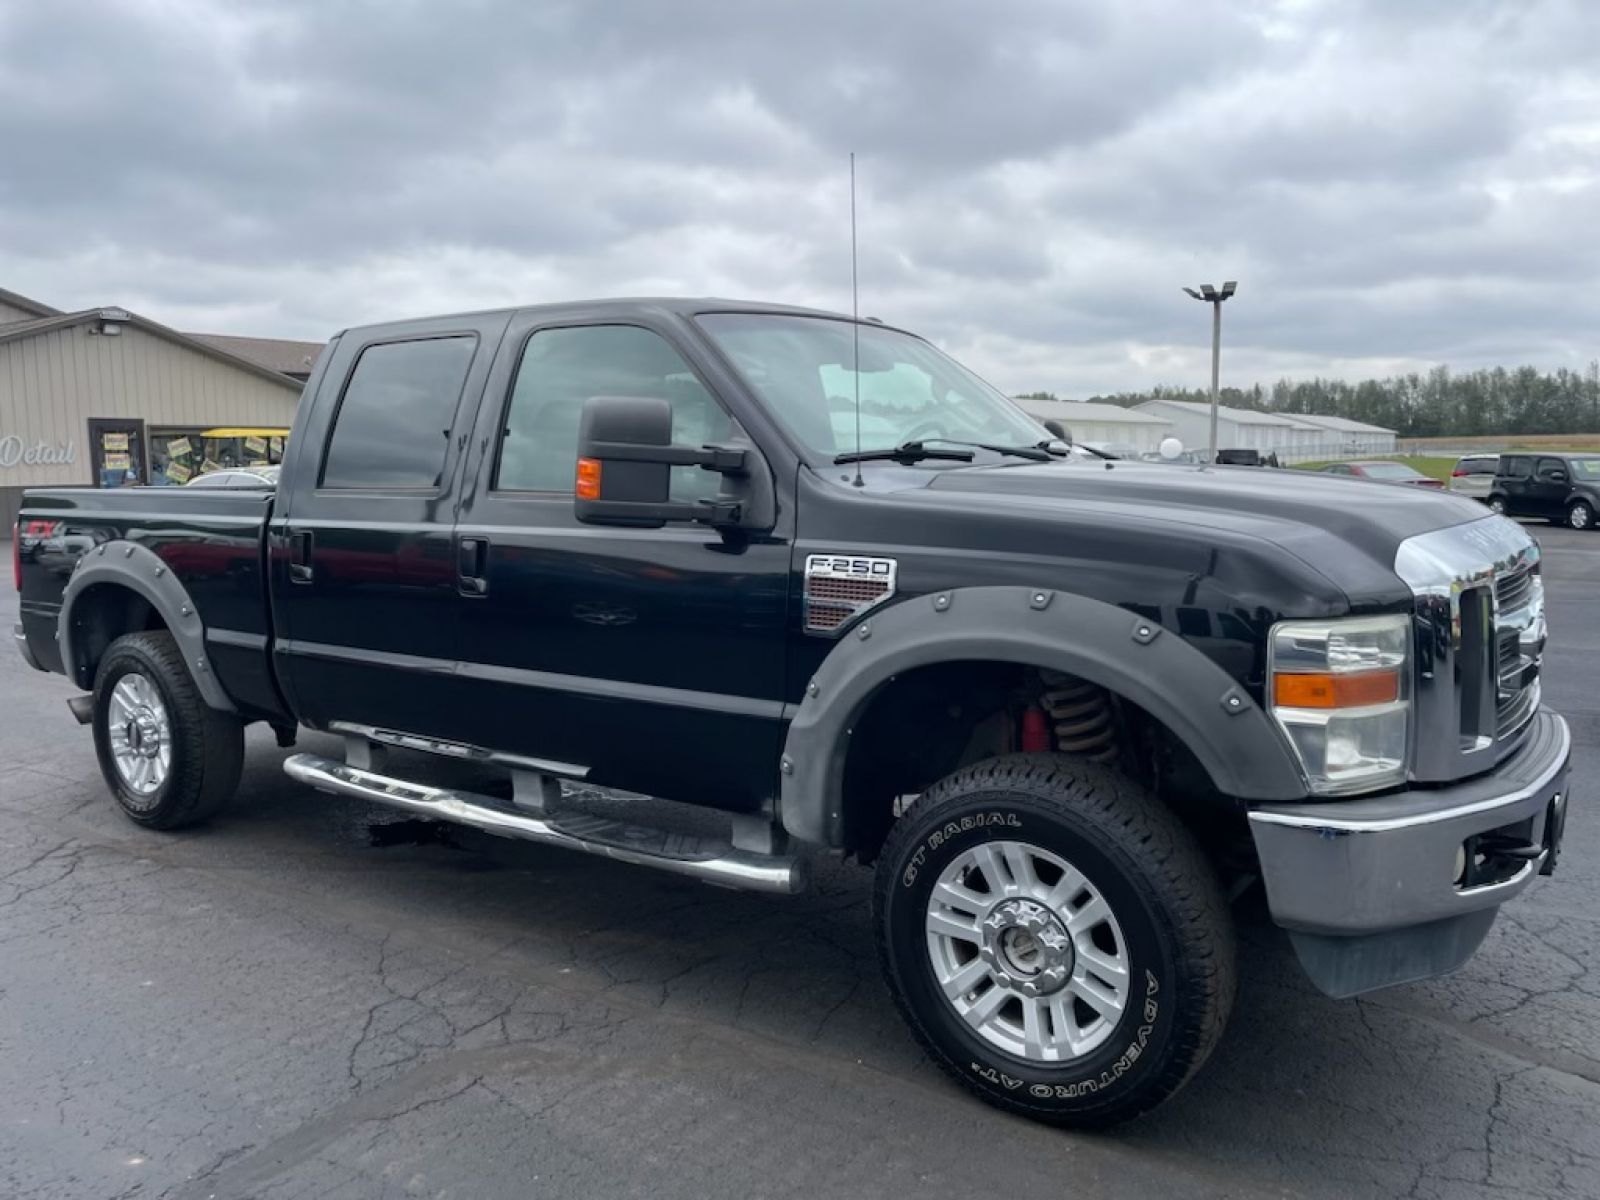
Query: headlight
{"points": [[1341, 691]]}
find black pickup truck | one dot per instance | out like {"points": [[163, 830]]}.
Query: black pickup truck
{"points": [[814, 574]]}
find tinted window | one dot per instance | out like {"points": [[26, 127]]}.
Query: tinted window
{"points": [[1518, 466], [1478, 466], [393, 425], [1549, 467], [563, 368]]}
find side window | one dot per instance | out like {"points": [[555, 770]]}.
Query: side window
{"points": [[1550, 467], [1516, 466], [393, 424], [563, 368]]}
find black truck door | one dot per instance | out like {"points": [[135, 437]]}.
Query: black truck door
{"points": [[363, 566], [651, 659]]}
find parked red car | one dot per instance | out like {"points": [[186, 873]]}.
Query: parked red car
{"points": [[1384, 471]]}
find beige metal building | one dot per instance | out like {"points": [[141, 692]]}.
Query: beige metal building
{"points": [[109, 398]]}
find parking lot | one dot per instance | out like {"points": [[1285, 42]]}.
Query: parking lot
{"points": [[312, 998]]}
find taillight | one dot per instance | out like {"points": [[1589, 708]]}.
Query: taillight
{"points": [[1457, 473], [16, 559]]}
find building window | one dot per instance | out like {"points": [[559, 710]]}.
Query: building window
{"points": [[393, 424]]}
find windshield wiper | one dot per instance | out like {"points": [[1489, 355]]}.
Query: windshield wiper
{"points": [[1036, 453], [906, 452], [919, 450]]}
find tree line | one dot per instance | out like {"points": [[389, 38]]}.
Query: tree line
{"points": [[1441, 403]]}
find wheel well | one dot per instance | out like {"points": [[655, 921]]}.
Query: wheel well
{"points": [[924, 724], [100, 615]]}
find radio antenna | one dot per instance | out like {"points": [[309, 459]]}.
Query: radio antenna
{"points": [[855, 318]]}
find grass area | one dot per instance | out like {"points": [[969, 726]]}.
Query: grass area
{"points": [[1433, 466]]}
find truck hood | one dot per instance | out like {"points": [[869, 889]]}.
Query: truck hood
{"points": [[1347, 529]]}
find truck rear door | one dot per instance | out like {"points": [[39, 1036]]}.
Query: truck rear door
{"points": [[363, 567], [649, 659]]}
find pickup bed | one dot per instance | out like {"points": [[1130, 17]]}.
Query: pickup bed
{"points": [[816, 575]]}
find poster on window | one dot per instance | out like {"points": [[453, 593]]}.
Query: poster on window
{"points": [[209, 466], [114, 441], [179, 447], [178, 473], [255, 448], [117, 460]]}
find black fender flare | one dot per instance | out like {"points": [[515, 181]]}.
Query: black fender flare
{"points": [[139, 569], [1239, 745]]}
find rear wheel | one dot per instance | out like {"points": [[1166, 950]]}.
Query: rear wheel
{"points": [[169, 759], [1580, 515], [1498, 503], [1054, 938]]}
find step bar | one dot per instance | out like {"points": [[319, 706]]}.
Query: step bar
{"points": [[713, 861]]}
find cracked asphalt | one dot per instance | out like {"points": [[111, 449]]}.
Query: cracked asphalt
{"points": [[310, 998]]}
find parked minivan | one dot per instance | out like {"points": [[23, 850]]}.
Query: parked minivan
{"points": [[1473, 475]]}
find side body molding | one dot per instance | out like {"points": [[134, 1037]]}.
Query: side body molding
{"points": [[1236, 742], [140, 570]]}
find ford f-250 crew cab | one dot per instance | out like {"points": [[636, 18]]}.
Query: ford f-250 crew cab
{"points": [[1064, 704]]}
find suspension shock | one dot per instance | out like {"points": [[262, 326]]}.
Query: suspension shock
{"points": [[1081, 715]]}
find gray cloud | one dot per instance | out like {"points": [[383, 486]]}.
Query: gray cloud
{"points": [[1394, 185]]}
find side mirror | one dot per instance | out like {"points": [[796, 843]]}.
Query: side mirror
{"points": [[625, 461], [1059, 430], [1557, 476]]}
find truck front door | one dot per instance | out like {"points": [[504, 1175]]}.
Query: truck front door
{"points": [[363, 567], [648, 659]]}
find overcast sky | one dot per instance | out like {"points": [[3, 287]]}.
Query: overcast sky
{"points": [[1393, 184]]}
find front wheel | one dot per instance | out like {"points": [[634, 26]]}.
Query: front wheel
{"points": [[1580, 515], [1054, 938], [169, 759]]}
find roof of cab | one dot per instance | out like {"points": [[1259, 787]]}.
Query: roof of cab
{"points": [[683, 306]]}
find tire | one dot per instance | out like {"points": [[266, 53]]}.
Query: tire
{"points": [[1580, 515], [185, 756], [1498, 504], [1168, 929]]}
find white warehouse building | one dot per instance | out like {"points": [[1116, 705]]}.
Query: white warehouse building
{"points": [[1103, 424], [1293, 437]]}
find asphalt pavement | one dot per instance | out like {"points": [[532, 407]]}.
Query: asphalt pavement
{"points": [[311, 998]]}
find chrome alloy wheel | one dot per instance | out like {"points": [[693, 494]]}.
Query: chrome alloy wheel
{"points": [[140, 734], [1027, 951]]}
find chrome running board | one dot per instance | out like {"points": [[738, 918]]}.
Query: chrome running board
{"points": [[708, 859]]}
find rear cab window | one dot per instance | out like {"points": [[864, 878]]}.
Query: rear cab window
{"points": [[392, 427]]}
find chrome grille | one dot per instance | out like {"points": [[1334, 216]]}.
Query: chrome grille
{"points": [[1512, 588], [1480, 641]]}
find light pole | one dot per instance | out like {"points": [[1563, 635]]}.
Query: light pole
{"points": [[1214, 298]]}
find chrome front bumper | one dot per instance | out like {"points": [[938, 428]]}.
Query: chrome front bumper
{"points": [[1370, 890]]}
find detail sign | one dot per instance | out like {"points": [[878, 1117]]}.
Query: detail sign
{"points": [[14, 452]]}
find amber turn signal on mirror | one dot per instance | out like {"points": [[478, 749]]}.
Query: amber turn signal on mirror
{"points": [[588, 482]]}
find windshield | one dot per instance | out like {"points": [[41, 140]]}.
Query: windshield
{"points": [[801, 367], [1586, 468], [1389, 471]]}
